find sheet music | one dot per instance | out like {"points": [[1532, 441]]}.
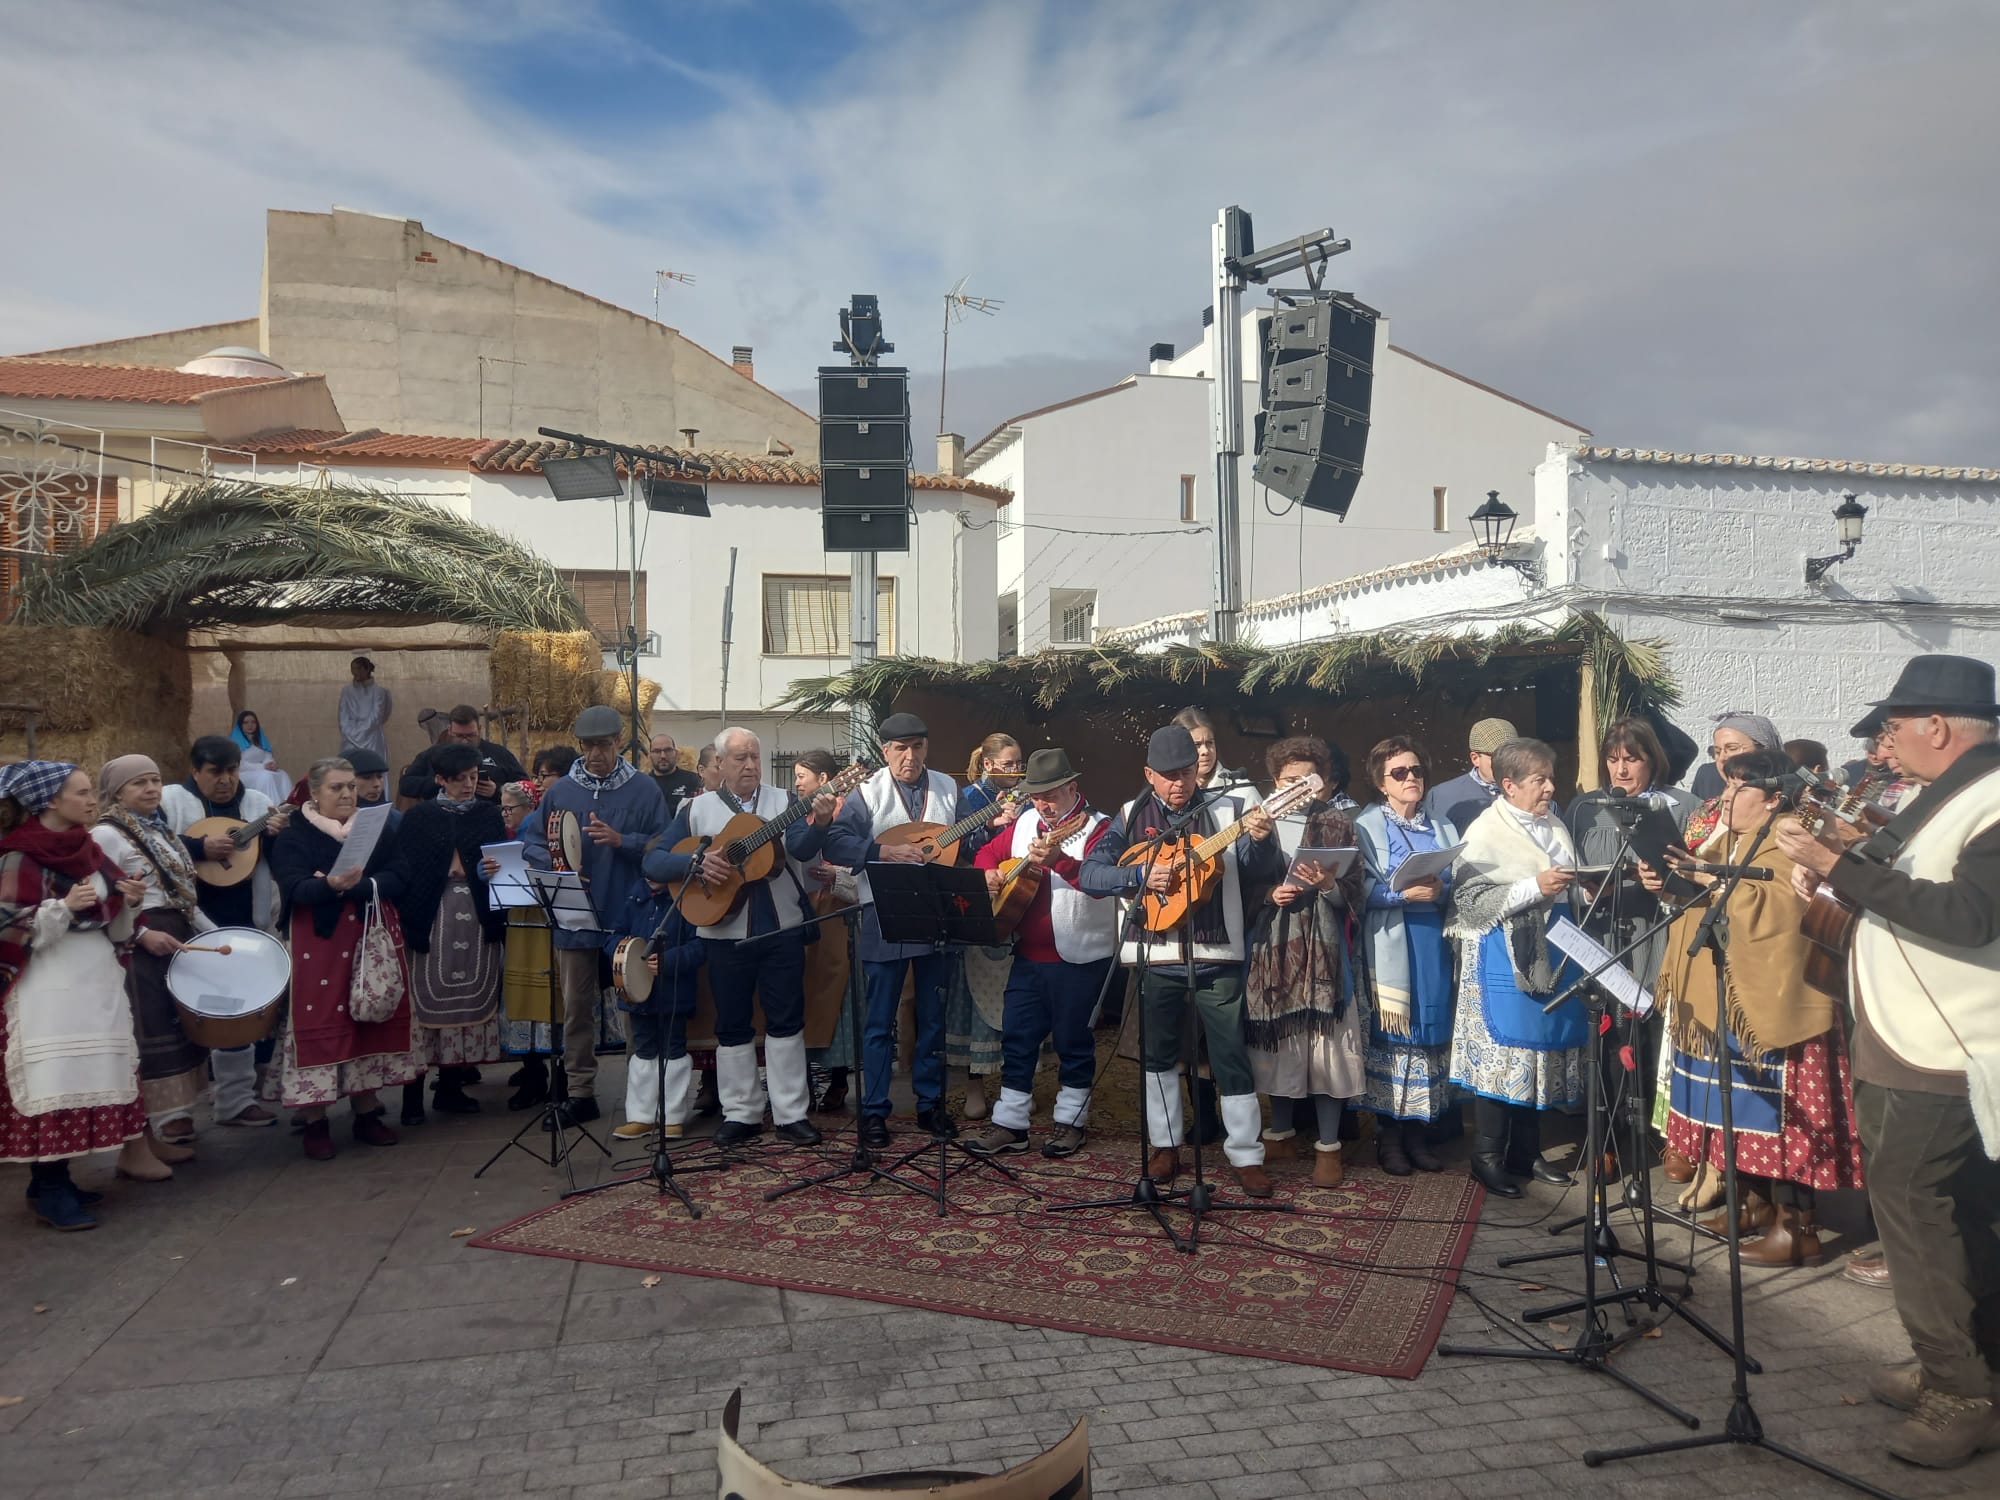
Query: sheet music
{"points": [[567, 898], [1573, 942], [509, 884], [1333, 864], [363, 834], [1422, 866]]}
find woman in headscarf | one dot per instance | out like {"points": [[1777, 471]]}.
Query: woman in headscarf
{"points": [[326, 1055], [978, 982], [1301, 1024], [249, 734], [526, 980], [455, 937], [1409, 980], [1734, 734], [1510, 882], [71, 1081], [1792, 1101], [172, 1069]]}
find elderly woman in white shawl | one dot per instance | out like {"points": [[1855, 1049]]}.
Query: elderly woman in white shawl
{"points": [[1510, 882]]}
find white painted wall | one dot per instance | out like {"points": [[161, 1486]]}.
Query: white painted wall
{"points": [[944, 584], [1114, 463]]}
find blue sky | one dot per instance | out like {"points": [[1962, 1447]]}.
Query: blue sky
{"points": [[1708, 225]]}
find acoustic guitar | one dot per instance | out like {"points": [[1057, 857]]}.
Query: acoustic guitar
{"points": [[1829, 920], [751, 845], [235, 868], [1021, 878], [940, 842], [1197, 863]]}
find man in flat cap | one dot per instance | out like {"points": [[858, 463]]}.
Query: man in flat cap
{"points": [[619, 811], [1463, 798], [1215, 932], [903, 791], [1924, 978]]}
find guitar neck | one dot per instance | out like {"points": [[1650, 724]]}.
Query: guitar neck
{"points": [[250, 832], [774, 828], [966, 824], [1215, 843]]}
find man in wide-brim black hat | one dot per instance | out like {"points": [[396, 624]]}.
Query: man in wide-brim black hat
{"points": [[1064, 944], [1924, 977]]}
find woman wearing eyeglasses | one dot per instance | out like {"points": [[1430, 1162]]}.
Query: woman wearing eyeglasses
{"points": [[1408, 1054]]}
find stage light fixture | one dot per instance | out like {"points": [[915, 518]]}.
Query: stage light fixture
{"points": [[589, 476]]}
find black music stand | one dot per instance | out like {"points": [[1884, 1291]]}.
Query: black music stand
{"points": [[940, 906], [553, 893]]}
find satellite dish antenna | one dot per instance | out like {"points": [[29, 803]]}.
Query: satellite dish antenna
{"points": [[957, 304]]}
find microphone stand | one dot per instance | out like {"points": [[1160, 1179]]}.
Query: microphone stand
{"points": [[1742, 1425], [1145, 1193]]}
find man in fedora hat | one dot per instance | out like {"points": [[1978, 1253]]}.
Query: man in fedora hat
{"points": [[1064, 946], [1214, 935], [1925, 981], [619, 811]]}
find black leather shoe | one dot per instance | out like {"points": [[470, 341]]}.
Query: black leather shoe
{"points": [[736, 1132], [875, 1132], [1544, 1170], [938, 1121], [571, 1112], [453, 1100], [1389, 1148], [800, 1133], [413, 1101], [1487, 1169]]}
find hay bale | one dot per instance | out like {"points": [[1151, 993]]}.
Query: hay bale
{"points": [[615, 688], [99, 693], [552, 674]]}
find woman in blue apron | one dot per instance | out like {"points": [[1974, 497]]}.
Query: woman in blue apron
{"points": [[1510, 883]]}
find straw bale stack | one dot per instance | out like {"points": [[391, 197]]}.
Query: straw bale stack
{"points": [[553, 674], [99, 693]]}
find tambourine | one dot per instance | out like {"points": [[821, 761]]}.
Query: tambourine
{"points": [[566, 841]]}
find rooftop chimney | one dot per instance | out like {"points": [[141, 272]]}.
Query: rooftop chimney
{"points": [[1159, 357], [741, 362], [951, 454]]}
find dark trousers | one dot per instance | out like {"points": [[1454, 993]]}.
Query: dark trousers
{"points": [[1043, 1000], [657, 1036], [1937, 1204], [878, 1030], [772, 972], [1218, 1000]]}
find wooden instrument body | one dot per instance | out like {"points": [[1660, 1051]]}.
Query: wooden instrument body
{"points": [[634, 981], [1195, 864], [1021, 879], [1829, 920], [704, 904], [924, 837], [238, 867]]}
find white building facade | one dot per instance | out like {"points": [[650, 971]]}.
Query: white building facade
{"points": [[1113, 509], [1706, 554]]}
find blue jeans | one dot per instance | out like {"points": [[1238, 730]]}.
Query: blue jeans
{"points": [[772, 972], [878, 1030], [656, 1036], [1046, 999]]}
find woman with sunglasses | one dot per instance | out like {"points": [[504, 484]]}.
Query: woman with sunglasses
{"points": [[1408, 1055]]}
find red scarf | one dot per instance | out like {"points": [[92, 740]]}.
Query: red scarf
{"points": [[67, 851]]}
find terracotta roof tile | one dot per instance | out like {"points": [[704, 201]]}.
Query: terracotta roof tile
{"points": [[77, 380], [525, 455], [1843, 466], [371, 446]]}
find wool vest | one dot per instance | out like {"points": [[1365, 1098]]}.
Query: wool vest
{"points": [[708, 815], [1085, 927], [1924, 998], [1165, 947], [887, 810]]}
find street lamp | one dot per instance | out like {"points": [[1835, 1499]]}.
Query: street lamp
{"points": [[1847, 518], [1493, 525]]}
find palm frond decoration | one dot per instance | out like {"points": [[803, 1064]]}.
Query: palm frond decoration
{"points": [[1628, 674], [231, 553]]}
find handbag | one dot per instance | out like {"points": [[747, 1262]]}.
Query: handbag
{"points": [[375, 992]]}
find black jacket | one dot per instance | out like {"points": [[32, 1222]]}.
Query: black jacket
{"points": [[424, 846], [300, 858], [1963, 911], [418, 781]]}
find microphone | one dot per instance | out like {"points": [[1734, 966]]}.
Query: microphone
{"points": [[1790, 784], [1739, 872]]}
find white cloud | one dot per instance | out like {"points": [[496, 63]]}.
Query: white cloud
{"points": [[1663, 222]]}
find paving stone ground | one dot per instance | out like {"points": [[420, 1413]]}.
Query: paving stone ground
{"points": [[267, 1326]]}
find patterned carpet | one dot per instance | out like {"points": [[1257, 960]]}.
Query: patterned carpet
{"points": [[1357, 1279]]}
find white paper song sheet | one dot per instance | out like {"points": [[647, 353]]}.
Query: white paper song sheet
{"points": [[1333, 863], [509, 884], [1422, 866], [1574, 943], [363, 834]]}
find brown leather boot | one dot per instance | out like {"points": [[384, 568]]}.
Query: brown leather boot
{"points": [[1753, 1216], [1164, 1164], [1677, 1167], [1254, 1180], [1280, 1147], [1790, 1240], [1329, 1167]]}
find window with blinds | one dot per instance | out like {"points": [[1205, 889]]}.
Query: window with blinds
{"points": [[602, 593], [806, 615]]}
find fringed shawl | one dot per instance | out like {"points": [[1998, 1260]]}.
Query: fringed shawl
{"points": [[1499, 854], [1293, 984]]}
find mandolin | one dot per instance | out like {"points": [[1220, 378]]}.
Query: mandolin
{"points": [[1830, 919], [236, 868], [751, 844], [1021, 878], [1197, 864], [940, 841]]}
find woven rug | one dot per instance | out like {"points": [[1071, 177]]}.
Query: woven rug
{"points": [[1359, 1278]]}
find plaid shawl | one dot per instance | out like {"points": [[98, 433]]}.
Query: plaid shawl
{"points": [[1293, 984]]}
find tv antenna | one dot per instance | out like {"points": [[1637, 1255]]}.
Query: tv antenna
{"points": [[686, 278], [957, 304]]}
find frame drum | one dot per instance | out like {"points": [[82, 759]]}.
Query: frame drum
{"points": [[566, 840], [629, 972], [229, 999]]}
